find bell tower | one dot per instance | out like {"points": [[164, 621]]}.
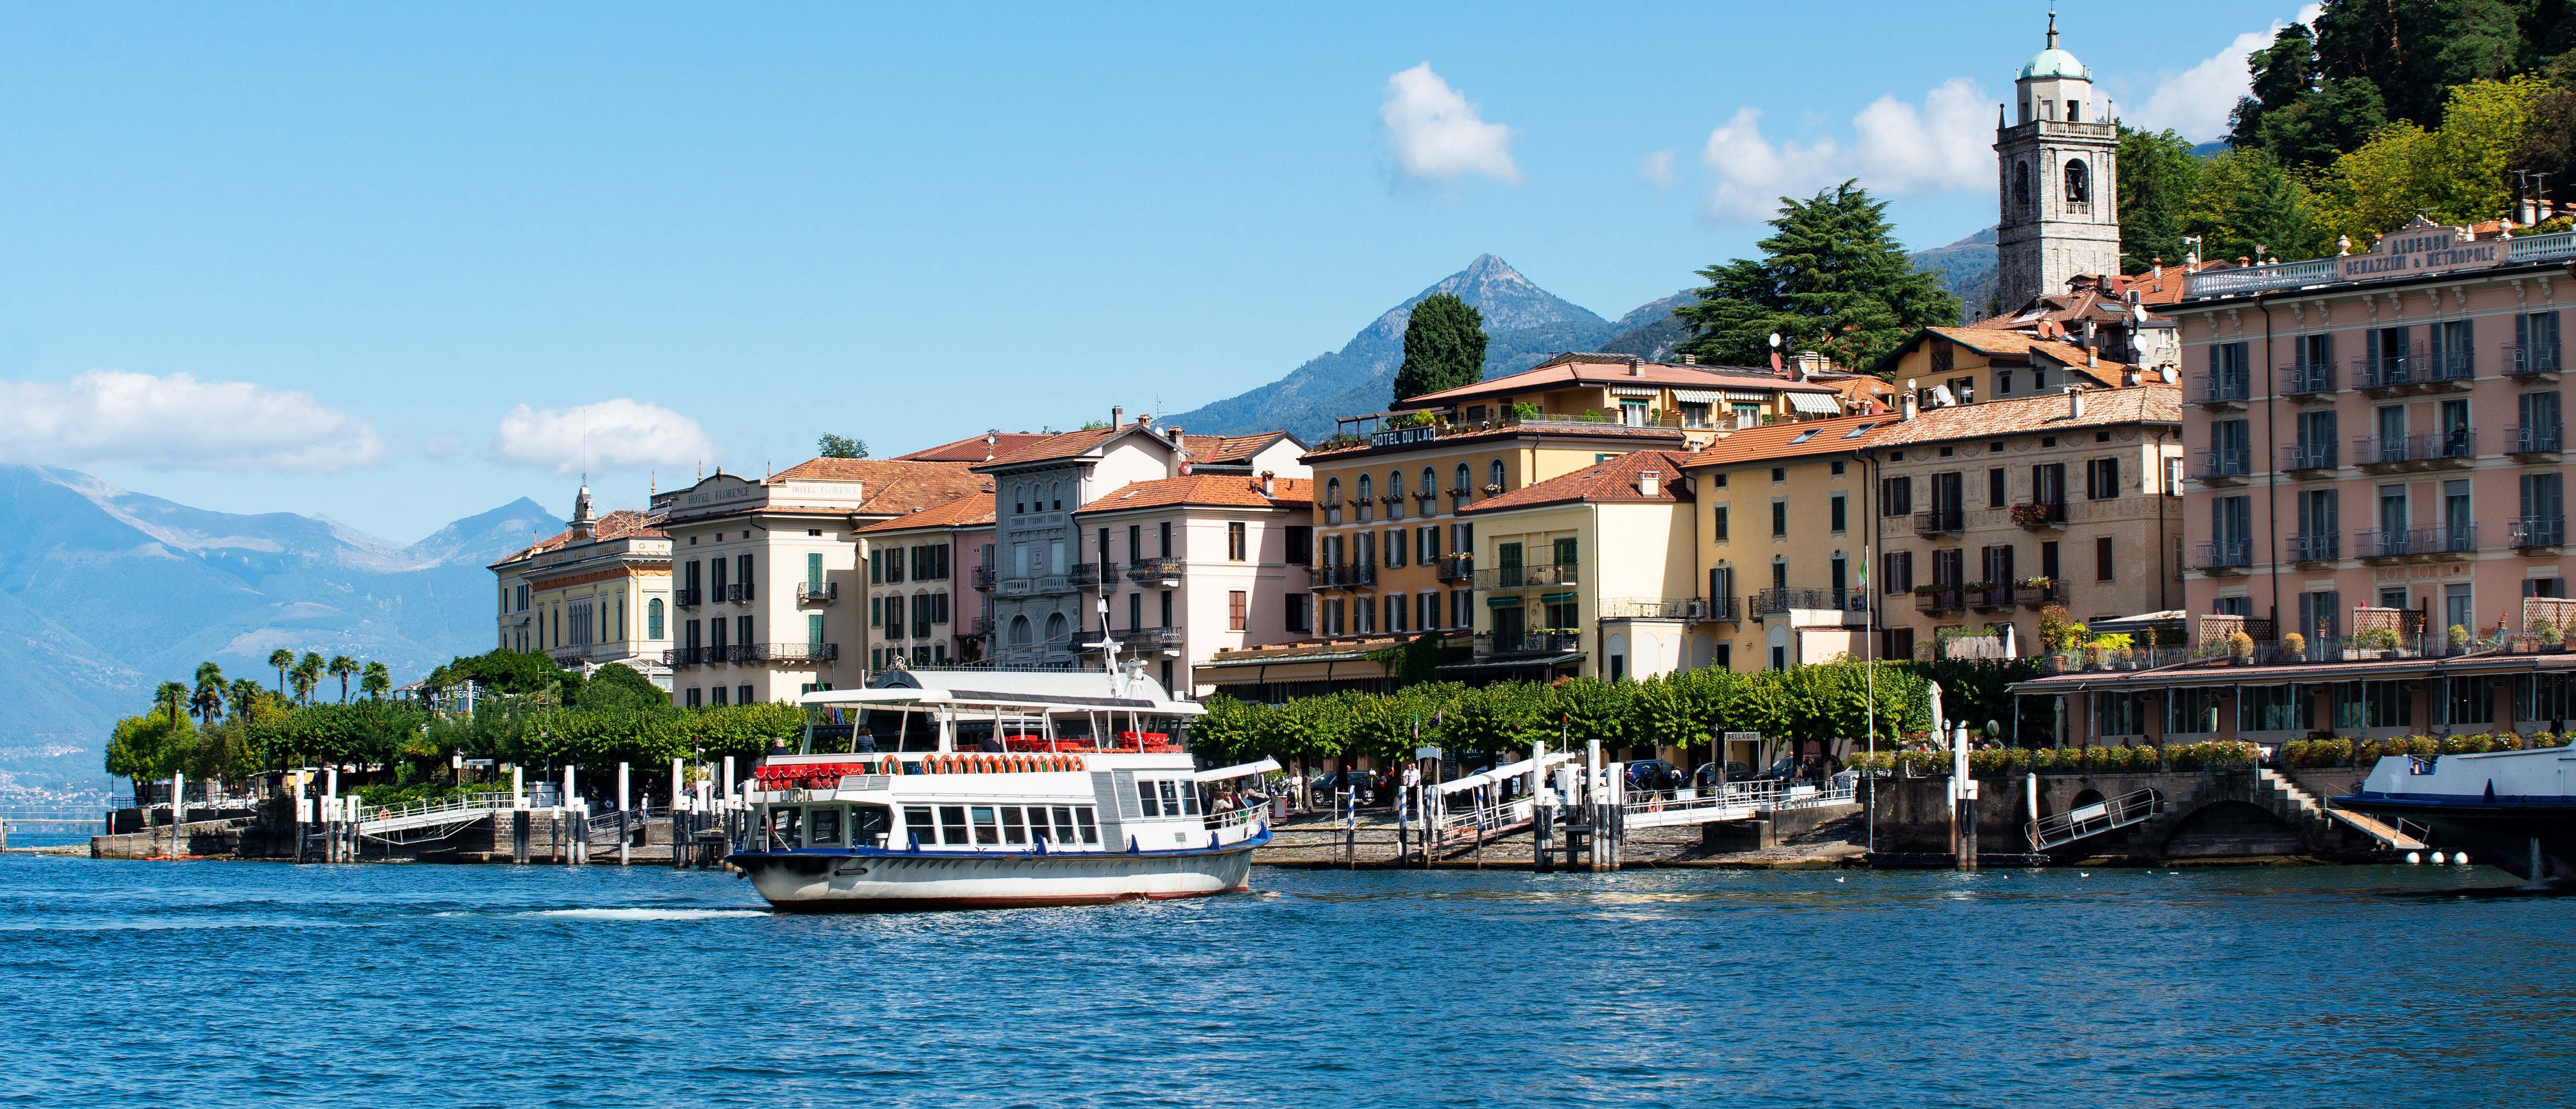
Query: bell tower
{"points": [[2055, 160]]}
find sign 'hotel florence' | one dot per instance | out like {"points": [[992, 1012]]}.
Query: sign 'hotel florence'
{"points": [[2424, 247]]}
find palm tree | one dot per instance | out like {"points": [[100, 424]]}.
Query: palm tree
{"points": [[209, 698], [343, 667], [377, 681], [308, 676], [171, 695], [281, 658], [245, 693]]}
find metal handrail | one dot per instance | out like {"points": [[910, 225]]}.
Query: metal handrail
{"points": [[2090, 820]]}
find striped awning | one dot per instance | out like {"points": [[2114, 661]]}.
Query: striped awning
{"points": [[1696, 396], [1634, 391], [1747, 394], [1819, 404]]}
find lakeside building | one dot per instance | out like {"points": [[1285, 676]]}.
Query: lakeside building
{"points": [[1045, 585], [1779, 529], [1586, 574], [1202, 563], [1628, 391], [2057, 173], [595, 593], [927, 570], [758, 564]]}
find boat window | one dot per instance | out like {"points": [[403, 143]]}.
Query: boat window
{"points": [[1012, 830], [952, 824], [1190, 799], [1171, 798], [916, 824], [1082, 820], [1145, 805], [986, 831], [870, 825], [1064, 824], [824, 826], [783, 825]]}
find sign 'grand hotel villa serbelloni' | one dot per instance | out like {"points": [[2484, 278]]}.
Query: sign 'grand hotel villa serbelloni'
{"points": [[2424, 247]]}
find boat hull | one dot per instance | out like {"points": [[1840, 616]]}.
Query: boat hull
{"points": [[898, 882], [2500, 834]]}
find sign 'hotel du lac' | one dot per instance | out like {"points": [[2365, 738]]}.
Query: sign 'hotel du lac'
{"points": [[2424, 247]]}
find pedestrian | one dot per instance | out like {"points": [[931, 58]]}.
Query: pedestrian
{"points": [[864, 741]]}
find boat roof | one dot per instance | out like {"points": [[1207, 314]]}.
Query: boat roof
{"points": [[1033, 688]]}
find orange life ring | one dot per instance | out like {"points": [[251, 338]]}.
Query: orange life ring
{"points": [[947, 763], [983, 764], [890, 766], [1076, 760]]}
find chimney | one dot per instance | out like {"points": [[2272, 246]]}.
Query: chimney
{"points": [[1690, 360], [1117, 415], [1647, 482], [2129, 379], [1636, 366], [2075, 402], [1269, 485], [1909, 407]]}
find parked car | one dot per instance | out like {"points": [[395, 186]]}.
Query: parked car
{"points": [[1653, 776], [1785, 770], [1706, 776], [1326, 784]]}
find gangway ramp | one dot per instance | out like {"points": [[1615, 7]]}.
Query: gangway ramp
{"points": [[1734, 801], [1471, 809], [2091, 820], [423, 821]]}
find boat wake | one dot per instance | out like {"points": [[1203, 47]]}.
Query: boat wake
{"points": [[648, 914]]}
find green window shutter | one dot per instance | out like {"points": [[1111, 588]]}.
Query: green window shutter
{"points": [[814, 568], [1565, 552], [814, 629]]}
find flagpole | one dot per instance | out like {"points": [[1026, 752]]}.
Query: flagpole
{"points": [[1869, 687]]}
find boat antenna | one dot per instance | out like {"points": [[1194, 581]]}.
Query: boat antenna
{"points": [[1108, 647]]}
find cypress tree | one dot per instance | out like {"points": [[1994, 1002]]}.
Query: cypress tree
{"points": [[1444, 347]]}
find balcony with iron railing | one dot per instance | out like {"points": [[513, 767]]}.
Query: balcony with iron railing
{"points": [[2446, 541], [2543, 441], [2040, 515], [2308, 381], [1994, 596], [1551, 642], [684, 598], [1166, 571], [817, 592], [2219, 389], [2432, 450], [2223, 556], [1526, 577], [984, 579], [1348, 576], [2040, 596], [739, 593], [2387, 371], [751, 653], [2449, 371], [1940, 598], [1044, 585], [2324, 547], [982, 627], [1136, 640], [2324, 271], [2309, 457], [2228, 466], [2537, 533], [1939, 521], [1778, 601], [1454, 568], [2531, 363]]}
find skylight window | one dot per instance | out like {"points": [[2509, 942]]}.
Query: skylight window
{"points": [[1856, 432], [1803, 436]]}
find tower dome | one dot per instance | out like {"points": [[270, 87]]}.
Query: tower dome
{"points": [[2053, 62]]}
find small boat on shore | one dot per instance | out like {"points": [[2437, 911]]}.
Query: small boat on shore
{"points": [[2513, 810], [972, 789]]}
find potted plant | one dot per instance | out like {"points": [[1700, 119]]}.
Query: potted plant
{"points": [[2550, 636], [2459, 637], [2240, 647], [2294, 645], [2125, 659], [2376, 641]]}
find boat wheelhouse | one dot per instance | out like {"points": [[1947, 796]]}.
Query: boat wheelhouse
{"points": [[942, 789]]}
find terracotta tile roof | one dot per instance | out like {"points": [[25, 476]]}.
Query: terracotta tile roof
{"points": [[1804, 439], [973, 448], [2014, 344], [1230, 450], [1214, 490], [1612, 480], [1567, 371], [2160, 404], [1068, 444], [1604, 430], [964, 512], [892, 486], [625, 523]]}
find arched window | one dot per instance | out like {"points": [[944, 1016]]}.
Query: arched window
{"points": [[1367, 497], [1461, 487], [1058, 490], [1019, 631], [1494, 475], [1395, 484], [653, 618], [2021, 184], [1019, 497], [1055, 628], [1430, 483], [2078, 188], [1333, 501]]}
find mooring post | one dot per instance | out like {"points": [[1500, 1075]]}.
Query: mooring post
{"points": [[1540, 825], [679, 837], [330, 814], [519, 836], [625, 814]]}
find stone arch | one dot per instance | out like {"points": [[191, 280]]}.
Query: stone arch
{"points": [[2079, 182], [2232, 828], [2021, 184], [2088, 797], [1019, 631], [1055, 627]]}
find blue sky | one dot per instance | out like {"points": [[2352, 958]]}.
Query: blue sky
{"points": [[384, 263]]}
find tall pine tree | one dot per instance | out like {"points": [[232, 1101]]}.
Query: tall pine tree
{"points": [[1444, 347], [1832, 278]]}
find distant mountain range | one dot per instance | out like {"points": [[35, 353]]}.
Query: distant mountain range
{"points": [[1524, 325], [105, 593]]}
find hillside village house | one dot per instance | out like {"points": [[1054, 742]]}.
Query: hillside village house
{"points": [[759, 565], [1046, 583], [1632, 392], [1588, 573], [1779, 527], [595, 593], [1206, 562], [923, 601]]}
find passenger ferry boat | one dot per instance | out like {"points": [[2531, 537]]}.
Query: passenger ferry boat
{"points": [[2515, 810], [994, 789]]}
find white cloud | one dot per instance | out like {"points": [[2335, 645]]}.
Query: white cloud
{"points": [[178, 422], [2194, 103], [1658, 168], [1437, 135], [1899, 148], [620, 434]]}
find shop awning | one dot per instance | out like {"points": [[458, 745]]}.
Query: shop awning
{"points": [[1566, 597], [1817, 404], [1634, 391], [1512, 601], [1748, 394], [1696, 396], [1497, 666]]}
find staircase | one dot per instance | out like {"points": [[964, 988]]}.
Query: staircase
{"points": [[2321, 823]]}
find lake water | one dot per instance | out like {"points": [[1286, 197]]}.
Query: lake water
{"points": [[209, 983]]}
